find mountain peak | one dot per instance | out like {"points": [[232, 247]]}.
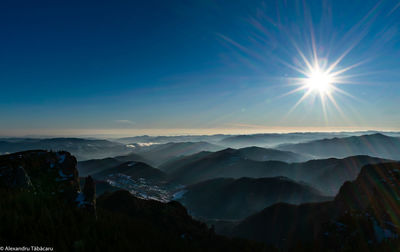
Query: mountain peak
{"points": [[378, 135], [376, 184]]}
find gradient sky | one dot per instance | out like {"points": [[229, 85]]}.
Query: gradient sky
{"points": [[171, 67]]}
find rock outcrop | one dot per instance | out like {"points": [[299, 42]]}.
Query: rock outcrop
{"points": [[87, 197], [47, 172], [376, 186], [14, 176]]}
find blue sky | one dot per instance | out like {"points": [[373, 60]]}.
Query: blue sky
{"points": [[170, 67]]}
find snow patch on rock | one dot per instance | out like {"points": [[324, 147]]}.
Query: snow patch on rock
{"points": [[178, 195]]}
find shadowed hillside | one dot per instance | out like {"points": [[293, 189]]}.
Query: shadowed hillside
{"points": [[365, 213], [251, 153], [160, 153], [135, 170], [226, 198], [326, 175]]}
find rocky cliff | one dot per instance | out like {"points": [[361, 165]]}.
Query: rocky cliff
{"points": [[48, 173]]}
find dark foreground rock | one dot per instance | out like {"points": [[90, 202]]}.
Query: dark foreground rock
{"points": [[42, 204]]}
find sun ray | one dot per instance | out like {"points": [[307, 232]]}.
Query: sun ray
{"points": [[324, 109], [306, 94], [343, 70], [293, 91], [293, 67], [303, 57], [332, 99]]}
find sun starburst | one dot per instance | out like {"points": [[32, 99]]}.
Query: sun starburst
{"points": [[319, 80]]}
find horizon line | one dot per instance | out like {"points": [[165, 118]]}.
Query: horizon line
{"points": [[120, 133]]}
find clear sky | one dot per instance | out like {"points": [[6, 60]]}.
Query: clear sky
{"points": [[201, 66]]}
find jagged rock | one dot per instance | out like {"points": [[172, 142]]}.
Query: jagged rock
{"points": [[376, 186], [172, 216], [45, 172], [374, 198], [87, 198], [89, 189], [21, 178], [14, 176]]}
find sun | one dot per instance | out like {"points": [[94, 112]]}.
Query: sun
{"points": [[318, 80], [320, 77]]}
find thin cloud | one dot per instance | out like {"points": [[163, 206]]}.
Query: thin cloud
{"points": [[394, 9], [125, 122]]}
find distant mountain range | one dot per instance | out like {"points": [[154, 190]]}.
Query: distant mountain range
{"points": [[174, 152], [377, 145], [251, 153], [227, 198], [327, 175], [366, 210], [171, 139], [240, 141], [158, 150], [161, 153], [273, 139], [266, 154], [82, 149]]}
